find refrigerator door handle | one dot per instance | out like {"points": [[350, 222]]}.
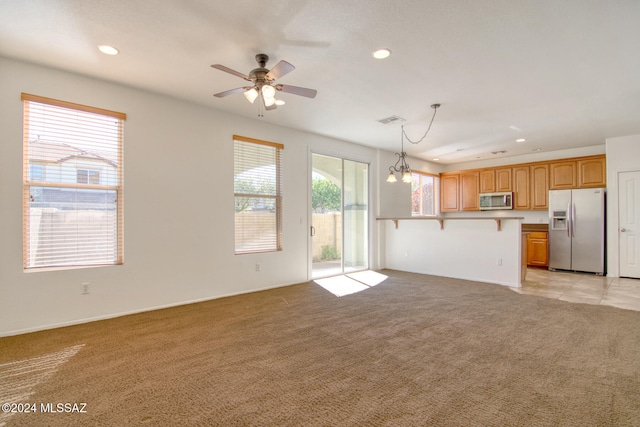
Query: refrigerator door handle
{"points": [[573, 220], [569, 219]]}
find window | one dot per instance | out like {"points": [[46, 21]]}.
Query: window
{"points": [[258, 195], [424, 194], [72, 184], [36, 172], [87, 176]]}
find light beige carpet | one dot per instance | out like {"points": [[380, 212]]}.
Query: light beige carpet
{"points": [[413, 350]]}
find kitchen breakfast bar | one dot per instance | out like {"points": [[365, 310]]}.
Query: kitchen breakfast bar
{"points": [[486, 249]]}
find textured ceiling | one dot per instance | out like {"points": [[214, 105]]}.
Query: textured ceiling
{"points": [[561, 74]]}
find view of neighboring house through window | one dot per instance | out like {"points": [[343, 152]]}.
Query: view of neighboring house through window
{"points": [[72, 185], [88, 177], [257, 187], [424, 194]]}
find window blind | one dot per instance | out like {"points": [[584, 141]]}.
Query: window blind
{"points": [[258, 195], [72, 184]]}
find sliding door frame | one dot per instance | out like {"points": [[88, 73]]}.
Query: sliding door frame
{"points": [[370, 219]]}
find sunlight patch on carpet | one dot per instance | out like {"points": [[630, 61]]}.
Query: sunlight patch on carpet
{"points": [[351, 283], [20, 378], [368, 277]]}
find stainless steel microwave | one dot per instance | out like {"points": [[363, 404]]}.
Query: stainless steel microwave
{"points": [[492, 201]]}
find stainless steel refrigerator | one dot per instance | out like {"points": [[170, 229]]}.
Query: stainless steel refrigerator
{"points": [[577, 230]]}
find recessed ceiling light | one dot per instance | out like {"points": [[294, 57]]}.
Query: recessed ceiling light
{"points": [[436, 159], [381, 53], [279, 102], [537, 149], [521, 140], [109, 50]]}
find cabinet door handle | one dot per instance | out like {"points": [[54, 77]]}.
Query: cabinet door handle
{"points": [[623, 230]]}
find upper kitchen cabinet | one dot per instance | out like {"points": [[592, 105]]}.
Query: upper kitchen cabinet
{"points": [[469, 191], [562, 175], [586, 172], [449, 192], [592, 172], [495, 180], [503, 180], [488, 181], [521, 188], [529, 182], [539, 175]]}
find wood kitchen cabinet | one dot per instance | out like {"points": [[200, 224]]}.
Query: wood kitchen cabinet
{"points": [[488, 181], [469, 191], [592, 172], [563, 175], [539, 175], [503, 180], [449, 192], [579, 173], [521, 188], [529, 182], [538, 248], [495, 180]]}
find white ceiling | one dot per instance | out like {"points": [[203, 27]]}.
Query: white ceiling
{"points": [[560, 73]]}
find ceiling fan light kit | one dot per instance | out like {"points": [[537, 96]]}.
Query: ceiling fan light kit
{"points": [[264, 85], [251, 94], [402, 167]]}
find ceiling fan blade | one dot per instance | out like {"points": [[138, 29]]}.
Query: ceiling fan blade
{"points": [[302, 91], [281, 68], [231, 91], [271, 107], [230, 71]]}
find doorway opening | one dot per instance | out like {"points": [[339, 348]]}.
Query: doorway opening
{"points": [[339, 216]]}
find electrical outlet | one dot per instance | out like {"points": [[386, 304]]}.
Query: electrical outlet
{"points": [[258, 267], [85, 288]]}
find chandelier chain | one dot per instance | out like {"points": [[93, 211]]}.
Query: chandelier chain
{"points": [[401, 166], [435, 109]]}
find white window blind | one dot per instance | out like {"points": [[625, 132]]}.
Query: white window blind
{"points": [[424, 194], [72, 184], [258, 195]]}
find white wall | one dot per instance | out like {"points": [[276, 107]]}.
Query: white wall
{"points": [[623, 155], [464, 249], [178, 207]]}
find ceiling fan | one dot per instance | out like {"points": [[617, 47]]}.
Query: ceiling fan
{"points": [[263, 81]]}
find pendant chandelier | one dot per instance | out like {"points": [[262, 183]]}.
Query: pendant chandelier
{"points": [[402, 167]]}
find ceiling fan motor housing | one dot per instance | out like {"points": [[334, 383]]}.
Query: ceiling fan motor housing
{"points": [[259, 76], [262, 59]]}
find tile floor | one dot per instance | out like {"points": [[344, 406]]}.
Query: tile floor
{"points": [[582, 288]]}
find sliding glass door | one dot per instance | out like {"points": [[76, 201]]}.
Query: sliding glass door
{"points": [[339, 211]]}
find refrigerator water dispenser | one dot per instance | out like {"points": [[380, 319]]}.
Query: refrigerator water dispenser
{"points": [[559, 220]]}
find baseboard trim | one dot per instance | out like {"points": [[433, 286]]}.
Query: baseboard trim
{"points": [[127, 313]]}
